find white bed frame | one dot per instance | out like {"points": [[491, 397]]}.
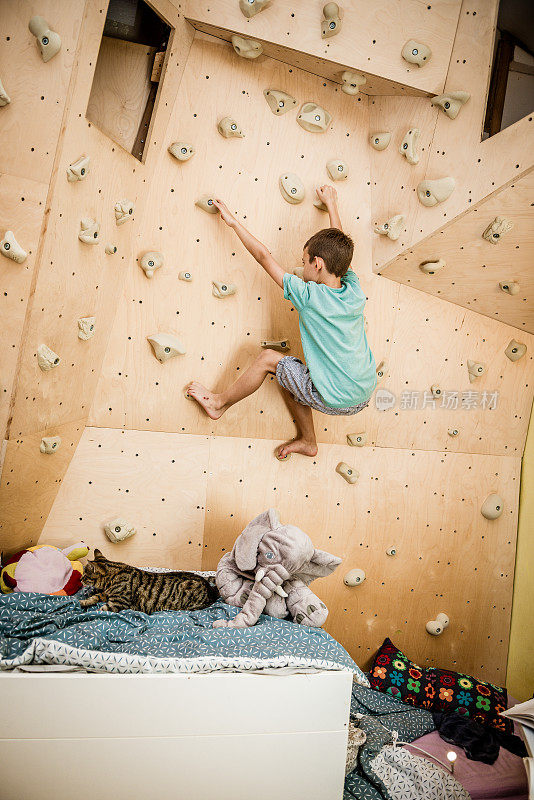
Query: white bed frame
{"points": [[220, 736]]}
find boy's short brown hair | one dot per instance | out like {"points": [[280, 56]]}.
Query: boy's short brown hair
{"points": [[334, 247]]}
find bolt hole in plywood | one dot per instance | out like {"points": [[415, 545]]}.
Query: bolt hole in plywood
{"points": [[128, 74]]}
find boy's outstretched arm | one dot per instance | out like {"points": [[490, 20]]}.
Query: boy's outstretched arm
{"points": [[255, 247], [328, 195]]}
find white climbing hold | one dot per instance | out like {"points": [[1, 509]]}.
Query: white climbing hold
{"points": [[124, 210], [48, 41], [382, 372], [79, 170], [408, 148], [432, 266], [453, 431], [451, 102], [279, 102], [354, 578], [228, 127], [110, 249], [118, 529], [351, 81], [150, 262], [299, 272], [320, 206], [497, 229], [206, 204], [357, 439], [10, 248], [337, 169], [292, 188], [185, 276], [476, 369], [380, 140], [46, 358], [436, 391], [492, 507], [391, 551], [166, 346], [436, 626], [222, 290], [430, 193], [332, 20], [5, 99], [89, 231], [510, 287], [515, 350], [50, 444], [283, 345], [181, 150], [349, 474], [416, 53], [252, 7], [246, 48], [313, 118], [392, 228], [86, 328]]}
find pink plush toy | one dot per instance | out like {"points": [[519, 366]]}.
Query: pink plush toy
{"points": [[45, 569]]}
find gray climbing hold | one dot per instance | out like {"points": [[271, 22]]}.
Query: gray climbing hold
{"points": [[89, 231], [380, 140], [124, 210], [79, 170], [416, 53], [392, 228], [436, 626], [110, 249], [492, 507], [432, 266], [185, 276], [50, 444], [510, 287], [229, 128], [515, 350], [354, 577], [332, 20], [206, 204], [246, 48], [430, 193], [451, 102], [292, 188], [252, 7], [118, 529], [5, 99], [10, 248], [408, 148], [337, 169], [222, 290], [497, 229], [313, 118], [282, 345], [351, 81], [181, 150], [279, 102], [436, 391], [48, 41], [391, 551], [475, 369], [357, 439], [349, 474], [150, 262], [46, 358], [86, 328], [166, 346], [453, 431]]}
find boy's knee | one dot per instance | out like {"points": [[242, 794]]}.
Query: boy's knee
{"points": [[270, 359]]}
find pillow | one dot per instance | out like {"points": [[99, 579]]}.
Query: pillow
{"points": [[438, 689]]}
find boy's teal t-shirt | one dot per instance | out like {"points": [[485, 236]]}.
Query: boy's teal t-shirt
{"points": [[332, 330]]}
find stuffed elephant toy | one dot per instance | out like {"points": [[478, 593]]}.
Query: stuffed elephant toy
{"points": [[269, 571]]}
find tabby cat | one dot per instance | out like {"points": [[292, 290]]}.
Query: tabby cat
{"points": [[123, 586]]}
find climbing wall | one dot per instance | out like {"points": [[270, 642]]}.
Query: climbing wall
{"points": [[190, 485]]}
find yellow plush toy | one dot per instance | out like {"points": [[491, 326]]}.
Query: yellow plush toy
{"points": [[44, 569]]}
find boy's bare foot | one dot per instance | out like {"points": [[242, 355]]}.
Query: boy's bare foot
{"points": [[301, 446], [208, 400]]}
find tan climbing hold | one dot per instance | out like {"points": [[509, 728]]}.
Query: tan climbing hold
{"points": [[430, 193], [206, 204], [279, 102], [124, 210], [89, 231], [182, 151], [337, 169], [299, 272], [436, 626], [48, 41], [349, 474], [292, 188], [351, 81], [166, 346], [476, 369], [380, 140], [510, 287], [185, 276], [492, 507], [320, 205], [50, 444], [281, 458], [252, 7], [408, 148], [451, 102], [246, 48], [432, 266], [381, 372], [282, 345], [228, 127], [515, 350], [5, 99], [354, 577], [79, 170], [391, 551], [332, 20], [150, 262], [222, 290], [46, 358], [86, 328], [357, 439], [392, 228], [110, 249], [10, 248], [436, 391], [313, 118], [453, 431], [118, 529], [416, 53], [497, 229]]}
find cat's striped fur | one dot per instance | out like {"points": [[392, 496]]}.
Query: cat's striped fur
{"points": [[122, 586]]}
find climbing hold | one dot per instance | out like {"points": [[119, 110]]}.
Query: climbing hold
{"points": [[451, 102], [496, 229], [48, 42], [515, 350], [46, 358], [118, 529], [229, 128], [351, 81], [354, 577], [4, 97], [252, 7], [292, 188], [408, 147], [433, 266], [381, 372], [279, 102], [475, 369], [299, 272], [124, 210], [185, 276], [10, 248], [380, 140], [337, 169], [453, 431], [110, 249], [79, 170], [223, 290], [86, 328], [438, 625], [206, 204], [282, 458], [510, 287], [348, 473], [166, 346], [332, 20], [50, 444], [416, 53], [181, 150], [391, 551], [357, 439], [313, 118], [436, 391], [392, 228], [283, 345], [492, 507], [150, 262], [320, 205], [430, 193], [246, 48], [89, 232]]}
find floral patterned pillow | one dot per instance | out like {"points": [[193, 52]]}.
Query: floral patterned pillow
{"points": [[438, 689]]}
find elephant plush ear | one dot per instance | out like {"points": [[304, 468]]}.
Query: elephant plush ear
{"points": [[320, 565], [246, 545]]}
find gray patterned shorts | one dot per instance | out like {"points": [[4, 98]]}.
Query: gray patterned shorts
{"points": [[294, 376]]}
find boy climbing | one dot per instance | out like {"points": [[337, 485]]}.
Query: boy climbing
{"points": [[340, 373]]}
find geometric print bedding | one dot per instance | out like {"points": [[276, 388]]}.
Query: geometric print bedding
{"points": [[410, 777]]}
